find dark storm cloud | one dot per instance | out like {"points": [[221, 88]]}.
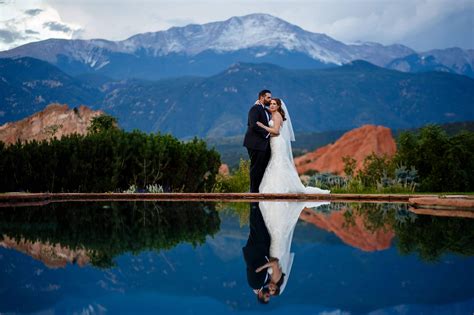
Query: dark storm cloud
{"points": [[31, 32], [7, 36], [33, 12], [55, 26]]}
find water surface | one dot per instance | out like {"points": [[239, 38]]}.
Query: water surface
{"points": [[186, 257]]}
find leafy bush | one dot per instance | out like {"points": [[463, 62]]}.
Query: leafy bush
{"points": [[378, 175], [327, 180], [428, 161], [443, 163], [237, 181], [108, 160]]}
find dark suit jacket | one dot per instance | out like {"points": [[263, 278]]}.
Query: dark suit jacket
{"points": [[257, 248], [256, 137]]}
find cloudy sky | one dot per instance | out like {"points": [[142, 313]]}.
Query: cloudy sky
{"points": [[420, 24]]}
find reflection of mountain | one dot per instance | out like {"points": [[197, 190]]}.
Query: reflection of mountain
{"points": [[228, 245], [354, 234], [53, 256]]}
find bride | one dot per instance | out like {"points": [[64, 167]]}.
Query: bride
{"points": [[281, 177]]}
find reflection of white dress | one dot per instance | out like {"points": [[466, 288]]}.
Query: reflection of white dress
{"points": [[281, 217]]}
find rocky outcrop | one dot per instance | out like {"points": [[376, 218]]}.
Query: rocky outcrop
{"points": [[357, 143], [355, 235], [53, 256], [224, 169], [55, 120]]}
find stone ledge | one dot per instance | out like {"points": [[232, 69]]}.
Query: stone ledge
{"points": [[443, 202], [9, 199]]}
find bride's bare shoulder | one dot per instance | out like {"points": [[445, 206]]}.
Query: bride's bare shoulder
{"points": [[278, 116]]}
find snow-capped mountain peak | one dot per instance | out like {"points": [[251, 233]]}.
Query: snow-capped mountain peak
{"points": [[193, 48], [254, 30]]}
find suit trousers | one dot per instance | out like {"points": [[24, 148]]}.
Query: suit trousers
{"points": [[258, 164]]}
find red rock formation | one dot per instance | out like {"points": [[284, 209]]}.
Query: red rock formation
{"points": [[53, 256], [55, 119], [224, 169], [357, 143], [354, 235]]}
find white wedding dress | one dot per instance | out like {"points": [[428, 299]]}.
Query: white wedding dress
{"points": [[280, 218], [280, 175]]}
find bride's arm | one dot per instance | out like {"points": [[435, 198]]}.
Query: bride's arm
{"points": [[275, 130], [270, 264]]}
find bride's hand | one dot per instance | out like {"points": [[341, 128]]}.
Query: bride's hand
{"points": [[260, 124]]}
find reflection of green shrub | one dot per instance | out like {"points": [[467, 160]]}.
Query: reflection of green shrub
{"points": [[431, 237], [238, 181], [106, 232], [428, 236], [239, 209]]}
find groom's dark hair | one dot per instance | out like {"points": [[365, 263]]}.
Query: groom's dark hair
{"points": [[263, 92], [262, 298]]}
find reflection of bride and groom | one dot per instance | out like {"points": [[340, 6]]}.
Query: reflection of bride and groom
{"points": [[272, 170]]}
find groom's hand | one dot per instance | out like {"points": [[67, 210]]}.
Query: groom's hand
{"points": [[272, 263], [268, 264]]}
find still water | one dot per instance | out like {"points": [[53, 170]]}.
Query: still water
{"points": [[188, 257]]}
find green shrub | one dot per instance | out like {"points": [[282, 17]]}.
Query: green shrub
{"points": [[237, 181], [443, 163], [108, 160]]}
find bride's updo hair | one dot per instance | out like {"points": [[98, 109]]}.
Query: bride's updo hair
{"points": [[280, 110]]}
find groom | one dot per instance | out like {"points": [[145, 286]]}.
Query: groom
{"points": [[257, 140]]}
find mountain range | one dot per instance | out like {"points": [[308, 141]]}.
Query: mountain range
{"points": [[210, 48], [338, 98], [27, 85]]}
